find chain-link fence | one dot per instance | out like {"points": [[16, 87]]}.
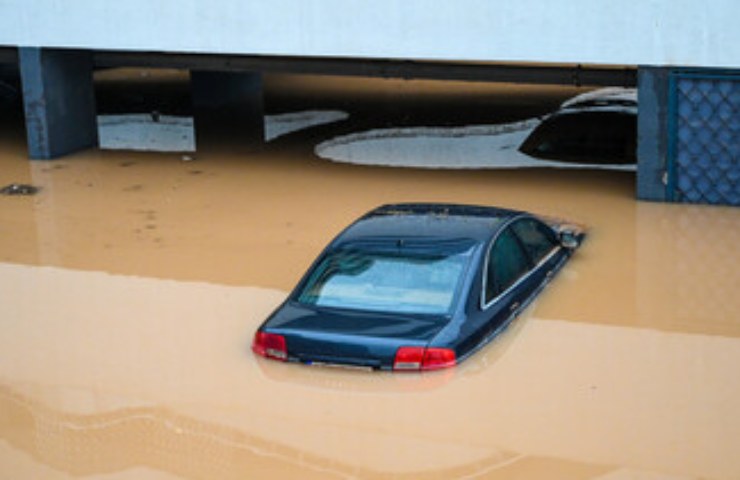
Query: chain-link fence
{"points": [[704, 136]]}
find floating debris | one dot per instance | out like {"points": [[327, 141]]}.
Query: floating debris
{"points": [[19, 189], [187, 158]]}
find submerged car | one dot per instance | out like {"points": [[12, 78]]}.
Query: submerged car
{"points": [[598, 127], [413, 287]]}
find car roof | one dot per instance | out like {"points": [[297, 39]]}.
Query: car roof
{"points": [[429, 220], [616, 96]]}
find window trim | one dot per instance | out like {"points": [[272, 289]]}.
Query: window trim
{"points": [[485, 305]]}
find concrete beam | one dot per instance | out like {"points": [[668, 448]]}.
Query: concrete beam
{"points": [[579, 75], [228, 107], [59, 101], [652, 133]]}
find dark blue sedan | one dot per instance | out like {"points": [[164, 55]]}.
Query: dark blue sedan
{"points": [[415, 287]]}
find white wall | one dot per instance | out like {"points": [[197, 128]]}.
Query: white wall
{"points": [[627, 32]]}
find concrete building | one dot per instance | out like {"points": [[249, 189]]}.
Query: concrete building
{"points": [[683, 55]]}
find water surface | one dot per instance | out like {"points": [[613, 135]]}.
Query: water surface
{"points": [[131, 285]]}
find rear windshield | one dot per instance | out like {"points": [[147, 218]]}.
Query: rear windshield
{"points": [[402, 279]]}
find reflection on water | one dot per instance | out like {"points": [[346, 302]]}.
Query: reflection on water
{"points": [[85, 445], [120, 439], [470, 147], [168, 133], [151, 132], [691, 284], [625, 366]]}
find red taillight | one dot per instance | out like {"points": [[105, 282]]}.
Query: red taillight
{"points": [[408, 358], [420, 358], [436, 358], [270, 345]]}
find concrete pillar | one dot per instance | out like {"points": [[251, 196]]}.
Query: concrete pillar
{"points": [[652, 133], [59, 101], [228, 107]]}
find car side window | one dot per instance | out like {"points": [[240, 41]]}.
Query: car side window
{"points": [[507, 262], [537, 238]]}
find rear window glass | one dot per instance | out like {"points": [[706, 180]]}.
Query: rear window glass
{"points": [[414, 281]]}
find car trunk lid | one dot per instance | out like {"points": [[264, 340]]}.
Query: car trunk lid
{"points": [[351, 338]]}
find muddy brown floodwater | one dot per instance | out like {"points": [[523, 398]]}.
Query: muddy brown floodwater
{"points": [[131, 284]]}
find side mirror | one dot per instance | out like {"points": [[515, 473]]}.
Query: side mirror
{"points": [[568, 239]]}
